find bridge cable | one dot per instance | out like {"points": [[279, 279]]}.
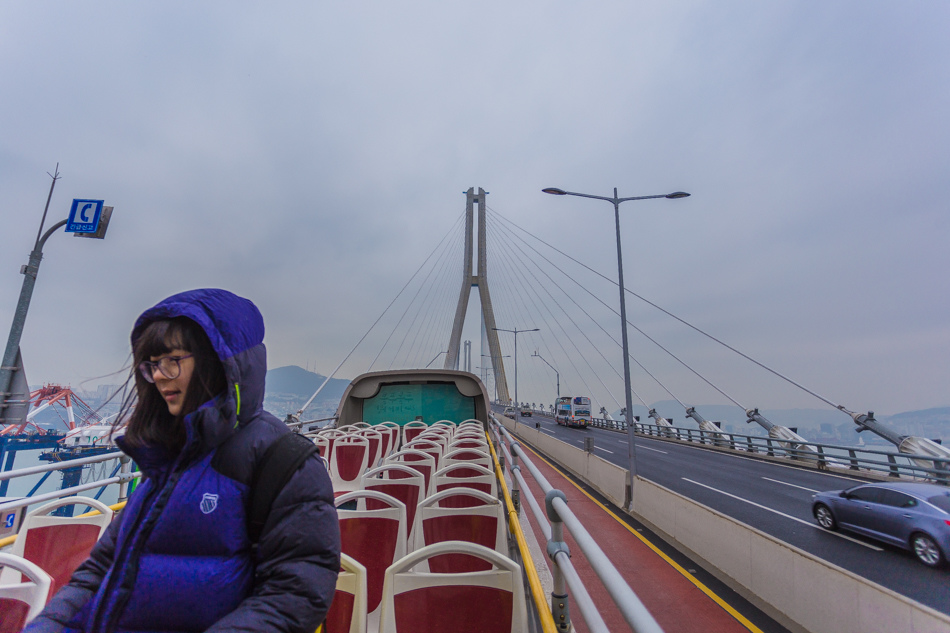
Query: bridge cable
{"points": [[651, 339], [436, 313], [617, 343], [594, 346], [399, 294], [610, 336], [690, 325], [507, 280], [581, 354], [415, 321], [438, 246], [506, 304]]}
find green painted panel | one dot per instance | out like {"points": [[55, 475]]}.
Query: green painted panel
{"points": [[404, 403]]}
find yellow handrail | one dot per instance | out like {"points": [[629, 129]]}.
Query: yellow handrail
{"points": [[534, 582], [115, 507]]}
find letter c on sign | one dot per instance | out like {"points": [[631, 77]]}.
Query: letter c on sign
{"points": [[82, 214]]}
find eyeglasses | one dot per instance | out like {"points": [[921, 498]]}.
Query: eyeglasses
{"points": [[170, 366]]}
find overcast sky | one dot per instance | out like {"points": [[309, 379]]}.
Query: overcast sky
{"points": [[309, 156]]}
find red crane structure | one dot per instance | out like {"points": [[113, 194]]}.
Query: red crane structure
{"points": [[61, 399]]}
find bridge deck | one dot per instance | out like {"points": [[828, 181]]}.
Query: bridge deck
{"points": [[676, 599]]}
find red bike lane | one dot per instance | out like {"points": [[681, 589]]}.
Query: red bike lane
{"points": [[676, 600]]}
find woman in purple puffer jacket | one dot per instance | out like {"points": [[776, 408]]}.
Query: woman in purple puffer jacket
{"points": [[179, 557]]}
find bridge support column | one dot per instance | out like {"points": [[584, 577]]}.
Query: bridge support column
{"points": [[480, 280]]}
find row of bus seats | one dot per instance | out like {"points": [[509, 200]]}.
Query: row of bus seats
{"points": [[44, 555], [423, 532], [422, 525]]}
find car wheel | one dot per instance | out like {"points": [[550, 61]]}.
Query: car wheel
{"points": [[825, 518], [926, 550]]}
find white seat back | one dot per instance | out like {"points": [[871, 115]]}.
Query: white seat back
{"points": [[21, 601], [491, 600]]}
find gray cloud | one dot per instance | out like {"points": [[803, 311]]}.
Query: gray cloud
{"points": [[311, 156]]}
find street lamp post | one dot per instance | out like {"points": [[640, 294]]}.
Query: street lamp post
{"points": [[492, 359], [8, 365], [556, 374], [515, 332], [628, 413]]}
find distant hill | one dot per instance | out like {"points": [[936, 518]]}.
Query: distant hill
{"points": [[298, 381], [288, 388]]}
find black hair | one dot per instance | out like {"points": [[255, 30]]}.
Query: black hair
{"points": [[150, 422]]}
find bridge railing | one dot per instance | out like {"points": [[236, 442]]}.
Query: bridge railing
{"points": [[551, 522], [121, 475], [890, 463]]}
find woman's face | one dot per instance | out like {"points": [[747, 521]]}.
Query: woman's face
{"points": [[173, 390]]}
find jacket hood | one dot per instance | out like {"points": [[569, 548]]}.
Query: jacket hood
{"points": [[235, 328]]}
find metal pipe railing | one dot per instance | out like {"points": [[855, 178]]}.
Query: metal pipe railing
{"points": [[533, 504], [514, 526], [72, 463], [875, 460], [633, 610], [66, 492], [630, 605]]}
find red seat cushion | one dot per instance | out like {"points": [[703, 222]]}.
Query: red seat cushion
{"points": [[372, 542], [407, 493], [12, 615], [349, 459], [471, 528], [462, 500], [459, 609], [341, 613], [60, 549]]}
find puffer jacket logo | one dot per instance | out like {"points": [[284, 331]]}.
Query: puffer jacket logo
{"points": [[208, 503]]}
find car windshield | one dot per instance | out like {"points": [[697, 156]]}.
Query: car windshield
{"points": [[941, 501]]}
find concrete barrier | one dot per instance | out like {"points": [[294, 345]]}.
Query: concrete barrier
{"points": [[801, 591], [788, 583]]}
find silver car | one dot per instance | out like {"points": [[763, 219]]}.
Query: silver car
{"points": [[912, 516]]}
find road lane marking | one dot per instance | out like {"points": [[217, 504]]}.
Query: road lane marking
{"points": [[826, 473], [785, 483], [787, 516], [604, 449], [547, 430], [655, 450]]}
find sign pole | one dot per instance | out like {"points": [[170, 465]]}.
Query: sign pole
{"points": [[80, 223]]}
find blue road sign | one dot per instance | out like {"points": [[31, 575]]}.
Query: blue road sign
{"points": [[84, 216]]}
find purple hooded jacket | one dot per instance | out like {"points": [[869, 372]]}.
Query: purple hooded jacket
{"points": [[179, 557]]}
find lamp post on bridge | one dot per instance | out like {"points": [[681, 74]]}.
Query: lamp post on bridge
{"points": [[515, 332], [434, 359], [491, 365], [628, 412], [556, 374]]}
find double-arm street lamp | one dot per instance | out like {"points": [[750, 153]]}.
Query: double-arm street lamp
{"points": [[515, 332], [556, 374], [628, 413]]}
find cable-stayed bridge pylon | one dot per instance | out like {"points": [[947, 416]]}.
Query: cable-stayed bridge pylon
{"points": [[480, 279]]}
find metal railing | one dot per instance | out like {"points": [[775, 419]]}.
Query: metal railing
{"points": [[890, 463], [551, 522], [123, 476]]}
